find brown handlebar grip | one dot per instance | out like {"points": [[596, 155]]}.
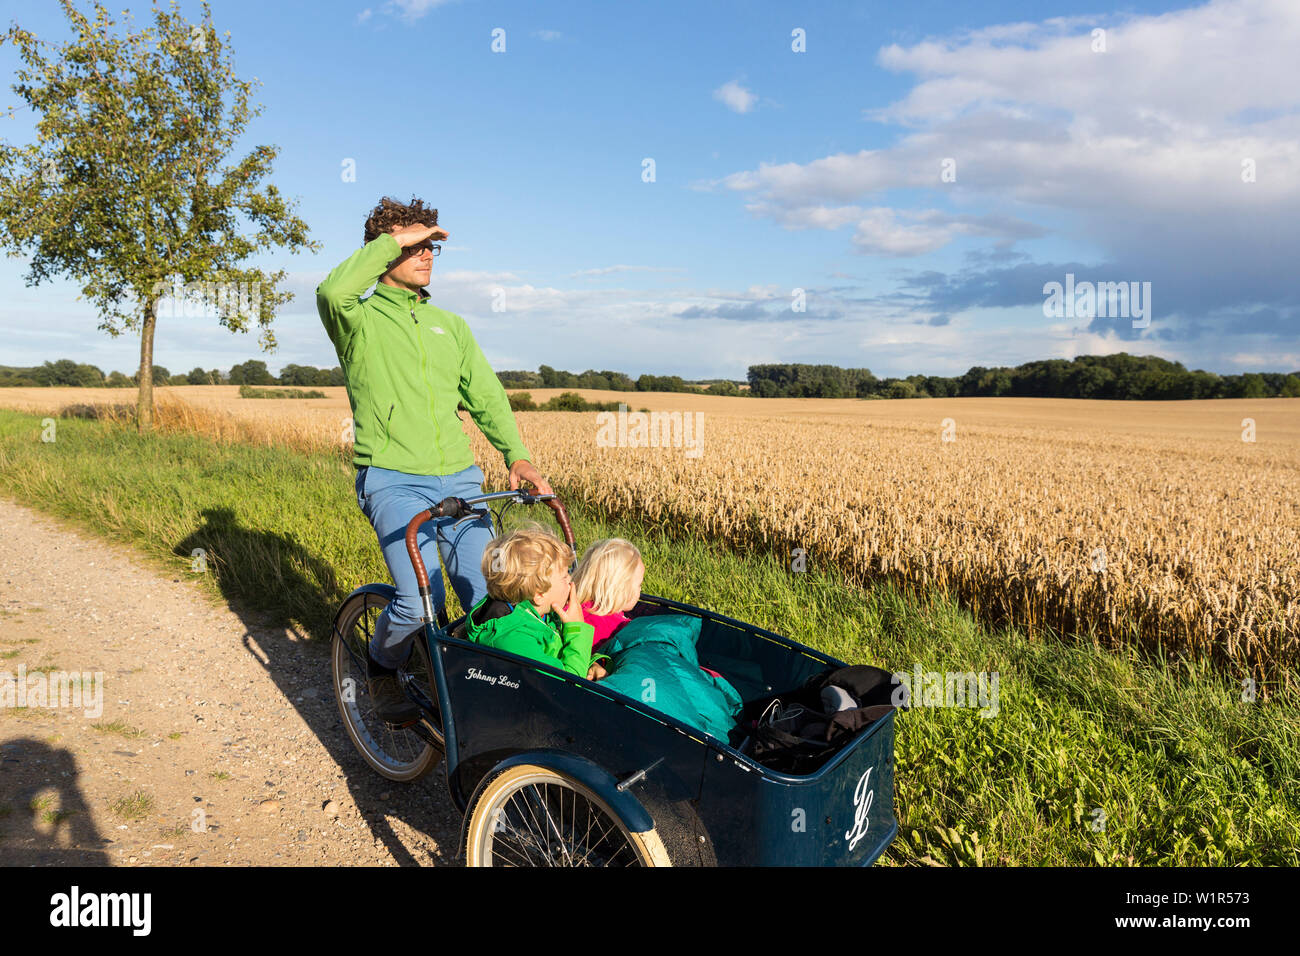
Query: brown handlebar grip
{"points": [[562, 516], [413, 547]]}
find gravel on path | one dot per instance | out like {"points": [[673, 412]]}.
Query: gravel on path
{"points": [[216, 739]]}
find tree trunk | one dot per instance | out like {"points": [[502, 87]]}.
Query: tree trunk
{"points": [[144, 402]]}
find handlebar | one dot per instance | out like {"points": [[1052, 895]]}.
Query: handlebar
{"points": [[463, 509]]}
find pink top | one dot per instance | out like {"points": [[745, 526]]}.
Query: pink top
{"points": [[605, 624]]}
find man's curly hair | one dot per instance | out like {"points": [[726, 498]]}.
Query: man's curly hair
{"points": [[391, 214]]}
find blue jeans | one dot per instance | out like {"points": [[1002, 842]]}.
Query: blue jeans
{"points": [[390, 499]]}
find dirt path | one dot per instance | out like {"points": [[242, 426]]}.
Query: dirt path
{"points": [[219, 741]]}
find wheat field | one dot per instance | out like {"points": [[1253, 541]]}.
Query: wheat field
{"points": [[1157, 523]]}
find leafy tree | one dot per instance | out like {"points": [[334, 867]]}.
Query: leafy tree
{"points": [[618, 382], [662, 383], [1202, 384], [567, 402], [519, 379], [301, 375], [67, 372], [593, 379], [868, 387], [970, 381], [160, 377], [252, 372], [1094, 381], [551, 378], [11, 377], [994, 382], [125, 190], [1273, 382], [1251, 385]]}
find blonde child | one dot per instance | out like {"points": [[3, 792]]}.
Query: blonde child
{"points": [[528, 568], [608, 582]]}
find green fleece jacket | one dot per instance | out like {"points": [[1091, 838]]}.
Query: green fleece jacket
{"points": [[407, 365], [565, 644]]}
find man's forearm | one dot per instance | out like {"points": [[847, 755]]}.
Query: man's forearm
{"points": [[338, 296]]}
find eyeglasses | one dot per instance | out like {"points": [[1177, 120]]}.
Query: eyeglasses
{"points": [[420, 250]]}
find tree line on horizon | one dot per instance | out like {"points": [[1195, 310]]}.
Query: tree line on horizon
{"points": [[1120, 376], [253, 372]]}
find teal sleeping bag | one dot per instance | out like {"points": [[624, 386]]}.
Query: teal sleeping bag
{"points": [[654, 661]]}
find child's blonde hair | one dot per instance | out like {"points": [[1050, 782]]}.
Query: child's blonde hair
{"points": [[519, 564], [604, 575]]}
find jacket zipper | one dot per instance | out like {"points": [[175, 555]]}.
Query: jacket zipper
{"points": [[558, 632], [424, 374], [388, 435]]}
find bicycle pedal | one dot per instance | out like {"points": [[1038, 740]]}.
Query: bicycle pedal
{"points": [[422, 731]]}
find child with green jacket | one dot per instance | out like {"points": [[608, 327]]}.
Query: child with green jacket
{"points": [[529, 568]]}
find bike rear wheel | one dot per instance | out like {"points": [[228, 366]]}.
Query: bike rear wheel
{"points": [[400, 755]]}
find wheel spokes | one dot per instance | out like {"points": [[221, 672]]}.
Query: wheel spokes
{"points": [[532, 827], [398, 749]]}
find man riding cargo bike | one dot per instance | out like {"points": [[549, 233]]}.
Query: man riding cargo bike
{"points": [[408, 365], [547, 766]]}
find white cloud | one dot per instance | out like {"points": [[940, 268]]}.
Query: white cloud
{"points": [[412, 10], [364, 15], [880, 232], [1196, 66], [548, 35], [896, 232], [1254, 360], [1134, 156], [735, 97]]}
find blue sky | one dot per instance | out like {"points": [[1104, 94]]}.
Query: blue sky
{"points": [[775, 170]]}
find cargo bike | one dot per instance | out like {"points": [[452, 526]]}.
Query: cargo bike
{"points": [[551, 769]]}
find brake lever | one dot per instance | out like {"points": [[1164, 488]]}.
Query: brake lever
{"points": [[473, 515]]}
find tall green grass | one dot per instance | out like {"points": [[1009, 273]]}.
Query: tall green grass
{"points": [[1094, 756]]}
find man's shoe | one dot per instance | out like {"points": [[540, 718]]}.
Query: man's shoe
{"points": [[391, 704]]}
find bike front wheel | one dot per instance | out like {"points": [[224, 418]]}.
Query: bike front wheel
{"points": [[400, 755]]}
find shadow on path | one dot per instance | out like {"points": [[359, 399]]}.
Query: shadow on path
{"points": [[44, 820], [287, 575]]}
